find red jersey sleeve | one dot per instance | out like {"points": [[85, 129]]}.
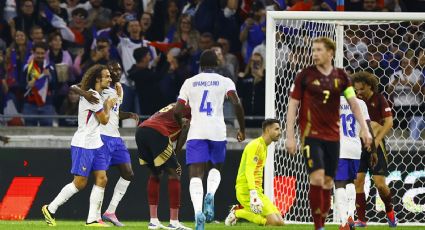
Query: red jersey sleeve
{"points": [[297, 87], [385, 107]]}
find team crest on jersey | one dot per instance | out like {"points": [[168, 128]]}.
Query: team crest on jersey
{"points": [[316, 82], [310, 163], [84, 168], [372, 104]]}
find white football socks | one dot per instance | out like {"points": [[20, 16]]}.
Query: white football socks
{"points": [[67, 192], [350, 190], [341, 204], [119, 192], [96, 199], [213, 181], [196, 190]]}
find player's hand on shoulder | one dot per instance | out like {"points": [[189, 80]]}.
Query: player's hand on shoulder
{"points": [[90, 97], [291, 145], [111, 101], [135, 116], [241, 135]]}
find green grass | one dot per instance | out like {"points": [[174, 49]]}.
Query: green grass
{"points": [[77, 224]]}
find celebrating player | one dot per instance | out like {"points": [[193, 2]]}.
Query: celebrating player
{"points": [[317, 88], [349, 160], [366, 85], [87, 149], [205, 94], [154, 138], [257, 208], [114, 144]]}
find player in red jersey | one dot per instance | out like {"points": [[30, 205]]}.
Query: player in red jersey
{"points": [[366, 85], [154, 138], [318, 88]]}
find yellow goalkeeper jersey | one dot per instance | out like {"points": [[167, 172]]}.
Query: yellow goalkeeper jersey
{"points": [[250, 173]]}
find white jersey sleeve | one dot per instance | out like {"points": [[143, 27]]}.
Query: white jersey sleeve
{"points": [[112, 128], [88, 134], [205, 94], [350, 144]]}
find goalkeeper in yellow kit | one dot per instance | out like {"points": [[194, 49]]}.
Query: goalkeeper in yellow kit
{"points": [[257, 208]]}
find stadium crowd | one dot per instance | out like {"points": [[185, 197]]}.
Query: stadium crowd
{"points": [[47, 45]]}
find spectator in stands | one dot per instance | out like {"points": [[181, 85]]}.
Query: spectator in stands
{"points": [[38, 85], [129, 7], [27, 18], [230, 58], [147, 81], [186, 34], [227, 23], [61, 62], [71, 5], [223, 67], [36, 34], [252, 89], [83, 35], [97, 11], [5, 37], [145, 24], [252, 32], [100, 55], [206, 41], [70, 108], [171, 20], [371, 5], [405, 88], [204, 14], [17, 55], [56, 8]]}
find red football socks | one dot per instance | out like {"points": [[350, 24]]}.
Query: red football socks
{"points": [[316, 204]]}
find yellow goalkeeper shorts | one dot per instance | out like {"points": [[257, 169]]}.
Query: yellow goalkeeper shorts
{"points": [[268, 206]]}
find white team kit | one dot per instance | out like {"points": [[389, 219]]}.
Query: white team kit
{"points": [[111, 129], [350, 145], [205, 93], [87, 135]]}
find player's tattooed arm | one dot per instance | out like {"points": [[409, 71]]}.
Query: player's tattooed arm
{"points": [[88, 95]]}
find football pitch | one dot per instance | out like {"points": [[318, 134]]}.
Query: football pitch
{"points": [[77, 224]]}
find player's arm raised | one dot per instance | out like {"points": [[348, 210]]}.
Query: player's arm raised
{"points": [[103, 115], [240, 115], [350, 95], [290, 125]]}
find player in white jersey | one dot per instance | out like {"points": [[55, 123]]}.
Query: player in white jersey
{"points": [[87, 149], [112, 140], [349, 161], [206, 145]]}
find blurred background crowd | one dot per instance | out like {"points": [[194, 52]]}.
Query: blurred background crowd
{"points": [[47, 45]]}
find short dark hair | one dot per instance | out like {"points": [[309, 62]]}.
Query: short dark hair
{"points": [[53, 35], [140, 53], [208, 59], [269, 121], [366, 78], [80, 11], [40, 45]]}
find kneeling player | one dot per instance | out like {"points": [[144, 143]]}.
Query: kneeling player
{"points": [[257, 207], [349, 161], [154, 138]]}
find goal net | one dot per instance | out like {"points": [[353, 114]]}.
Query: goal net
{"points": [[389, 45]]}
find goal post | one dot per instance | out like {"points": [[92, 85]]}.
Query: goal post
{"points": [[374, 42]]}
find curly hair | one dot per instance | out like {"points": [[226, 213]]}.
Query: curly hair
{"points": [[89, 78], [366, 78]]}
